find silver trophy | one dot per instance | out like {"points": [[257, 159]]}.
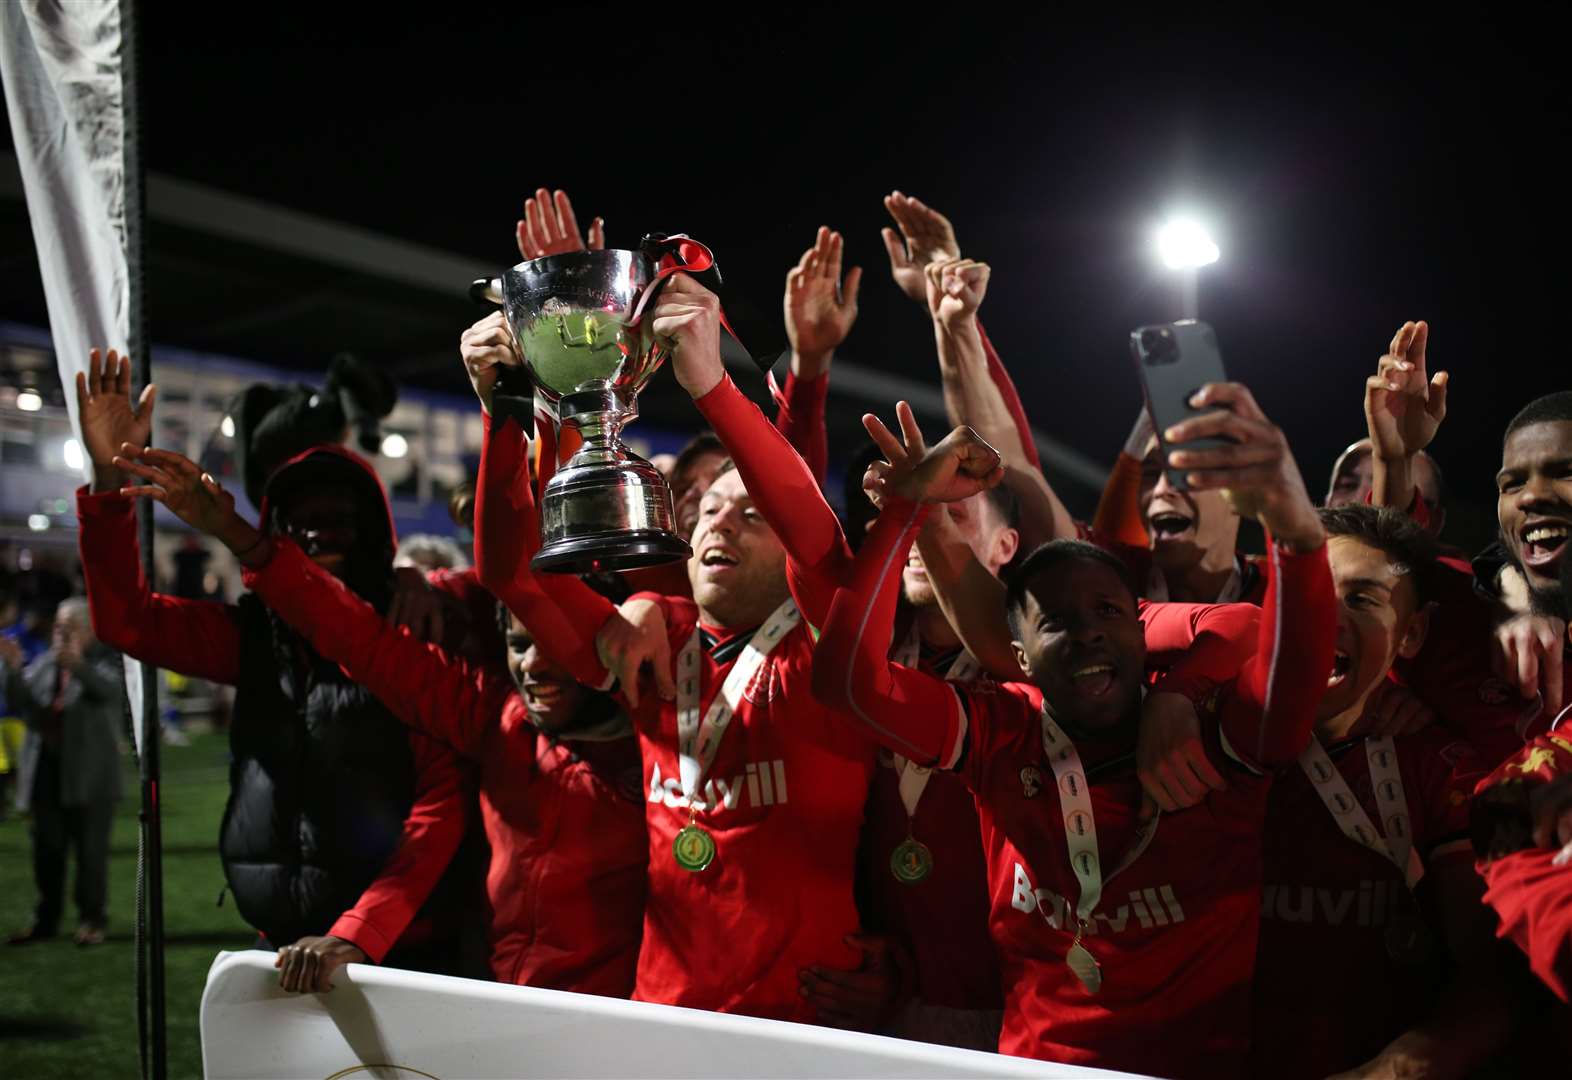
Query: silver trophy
{"points": [[572, 316]]}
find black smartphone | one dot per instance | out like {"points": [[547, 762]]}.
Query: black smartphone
{"points": [[1174, 360]]}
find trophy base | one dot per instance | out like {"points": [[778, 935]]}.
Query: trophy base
{"points": [[610, 551], [606, 510]]}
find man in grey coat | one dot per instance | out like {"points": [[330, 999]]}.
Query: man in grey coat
{"points": [[72, 698]]}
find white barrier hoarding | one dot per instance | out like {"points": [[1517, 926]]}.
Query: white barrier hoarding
{"points": [[400, 1025]]}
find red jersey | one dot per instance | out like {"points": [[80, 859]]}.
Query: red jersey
{"points": [[788, 785], [784, 794], [563, 817], [1453, 674], [1166, 933], [942, 920], [1328, 994]]}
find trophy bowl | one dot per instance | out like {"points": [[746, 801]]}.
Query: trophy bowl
{"points": [[573, 318]]}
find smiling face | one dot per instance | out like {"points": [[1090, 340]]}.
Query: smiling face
{"points": [[738, 568], [987, 534], [550, 695], [1183, 526], [1081, 642], [1378, 620], [1534, 502]]}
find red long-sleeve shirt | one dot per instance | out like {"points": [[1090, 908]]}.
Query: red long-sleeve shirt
{"points": [[799, 417], [201, 638], [563, 817], [1176, 966], [785, 790]]}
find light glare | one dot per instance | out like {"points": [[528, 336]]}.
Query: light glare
{"points": [[226, 427], [1184, 243], [37, 522], [72, 452], [29, 401], [394, 445]]}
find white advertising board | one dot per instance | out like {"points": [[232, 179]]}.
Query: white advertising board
{"points": [[400, 1025]]}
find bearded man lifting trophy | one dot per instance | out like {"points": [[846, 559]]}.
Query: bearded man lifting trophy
{"points": [[587, 349]]}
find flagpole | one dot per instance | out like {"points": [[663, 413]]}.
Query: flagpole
{"points": [[152, 847]]}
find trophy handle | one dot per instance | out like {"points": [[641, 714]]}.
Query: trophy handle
{"points": [[486, 291]]}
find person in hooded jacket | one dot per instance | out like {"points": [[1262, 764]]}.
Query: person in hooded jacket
{"points": [[561, 790], [340, 823]]}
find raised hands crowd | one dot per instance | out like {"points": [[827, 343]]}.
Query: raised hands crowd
{"points": [[962, 769]]}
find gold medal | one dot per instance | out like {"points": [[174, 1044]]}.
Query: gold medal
{"points": [[911, 861], [693, 848]]}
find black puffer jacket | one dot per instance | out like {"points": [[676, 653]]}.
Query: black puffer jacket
{"points": [[322, 775]]}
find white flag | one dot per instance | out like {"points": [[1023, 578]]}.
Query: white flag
{"points": [[61, 65]]}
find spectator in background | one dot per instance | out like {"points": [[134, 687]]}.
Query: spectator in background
{"points": [[427, 552], [27, 614], [72, 699]]}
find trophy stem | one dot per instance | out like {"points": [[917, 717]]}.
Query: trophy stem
{"points": [[606, 508]]}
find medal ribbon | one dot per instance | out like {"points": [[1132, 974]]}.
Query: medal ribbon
{"points": [[1396, 845], [698, 741], [1080, 826], [914, 777]]}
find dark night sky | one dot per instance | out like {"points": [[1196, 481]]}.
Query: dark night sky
{"points": [[1360, 173]]}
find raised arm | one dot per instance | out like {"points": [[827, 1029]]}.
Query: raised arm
{"points": [[1118, 516], [194, 637], [910, 713], [443, 696], [974, 396], [1269, 715], [971, 598], [562, 613], [1404, 407], [779, 482], [907, 711], [820, 309]]}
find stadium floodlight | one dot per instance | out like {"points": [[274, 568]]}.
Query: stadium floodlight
{"points": [[394, 445], [1184, 244]]}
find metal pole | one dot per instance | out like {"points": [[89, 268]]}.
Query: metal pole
{"points": [[152, 846]]}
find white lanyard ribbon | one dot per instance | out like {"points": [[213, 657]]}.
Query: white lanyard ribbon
{"points": [[697, 742], [914, 777], [1396, 844], [1080, 826]]}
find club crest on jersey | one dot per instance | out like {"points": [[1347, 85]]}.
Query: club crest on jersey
{"points": [[761, 688], [1031, 781]]}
